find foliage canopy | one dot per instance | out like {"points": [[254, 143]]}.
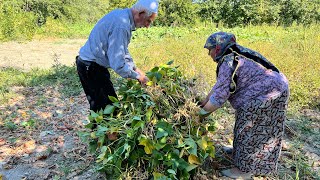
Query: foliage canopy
{"points": [[23, 18]]}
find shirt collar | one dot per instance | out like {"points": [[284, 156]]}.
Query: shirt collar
{"points": [[133, 26]]}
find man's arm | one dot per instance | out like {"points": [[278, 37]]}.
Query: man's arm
{"points": [[120, 60]]}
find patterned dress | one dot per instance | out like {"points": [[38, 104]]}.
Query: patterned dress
{"points": [[260, 100]]}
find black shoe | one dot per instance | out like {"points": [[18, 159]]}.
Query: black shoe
{"points": [[227, 149]]}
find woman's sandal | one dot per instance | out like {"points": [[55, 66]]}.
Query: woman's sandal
{"points": [[235, 173]]}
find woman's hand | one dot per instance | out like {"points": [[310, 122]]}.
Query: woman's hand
{"points": [[204, 102], [209, 107]]}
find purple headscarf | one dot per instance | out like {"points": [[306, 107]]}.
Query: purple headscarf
{"points": [[220, 42]]}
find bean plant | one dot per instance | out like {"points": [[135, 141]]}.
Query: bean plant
{"points": [[153, 131]]}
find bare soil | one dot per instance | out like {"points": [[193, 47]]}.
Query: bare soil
{"points": [[39, 53]]}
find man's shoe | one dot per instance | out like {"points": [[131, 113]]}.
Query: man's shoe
{"points": [[235, 173], [227, 149]]}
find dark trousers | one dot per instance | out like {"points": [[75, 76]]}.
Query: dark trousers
{"points": [[96, 83]]}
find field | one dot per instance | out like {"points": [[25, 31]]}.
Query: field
{"points": [[43, 106]]}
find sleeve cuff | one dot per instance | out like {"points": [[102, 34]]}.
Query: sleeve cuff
{"points": [[138, 76], [215, 102]]}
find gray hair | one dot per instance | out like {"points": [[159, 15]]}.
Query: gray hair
{"points": [[140, 8]]}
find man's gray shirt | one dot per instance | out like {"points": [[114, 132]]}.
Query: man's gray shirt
{"points": [[108, 42]]}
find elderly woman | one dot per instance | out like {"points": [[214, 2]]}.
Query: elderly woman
{"points": [[259, 93]]}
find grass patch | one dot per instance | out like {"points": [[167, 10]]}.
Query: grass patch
{"points": [[63, 77], [294, 50]]}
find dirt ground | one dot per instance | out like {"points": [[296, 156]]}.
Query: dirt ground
{"points": [[52, 150], [39, 53]]}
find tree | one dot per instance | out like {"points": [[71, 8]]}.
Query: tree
{"points": [[177, 13]]}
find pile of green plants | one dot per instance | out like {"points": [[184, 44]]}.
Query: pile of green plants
{"points": [[153, 131]]}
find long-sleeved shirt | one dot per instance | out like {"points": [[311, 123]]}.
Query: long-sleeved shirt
{"points": [[108, 42], [254, 82]]}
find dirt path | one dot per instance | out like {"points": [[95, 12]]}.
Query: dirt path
{"points": [[39, 53]]}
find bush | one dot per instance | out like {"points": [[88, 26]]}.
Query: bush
{"points": [[15, 25]]}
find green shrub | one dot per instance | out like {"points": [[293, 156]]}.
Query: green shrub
{"points": [[15, 25]]}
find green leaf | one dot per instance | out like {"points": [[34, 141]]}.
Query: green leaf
{"points": [[84, 136], [202, 143], [185, 175], [136, 154], [191, 167], [154, 80], [163, 140], [149, 83], [165, 127], [113, 99], [93, 114], [148, 145], [24, 123], [155, 69], [137, 118], [117, 104], [171, 171], [159, 146], [158, 76], [101, 141], [162, 72], [101, 131], [93, 145], [127, 149], [130, 133], [106, 161], [103, 151], [109, 109], [139, 124], [149, 114], [170, 62], [212, 151], [192, 146], [159, 176], [211, 128], [161, 133], [99, 119], [89, 126], [192, 159], [182, 164], [157, 155]]}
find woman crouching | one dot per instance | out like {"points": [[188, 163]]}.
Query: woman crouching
{"points": [[259, 93]]}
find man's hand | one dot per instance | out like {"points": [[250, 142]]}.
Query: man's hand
{"points": [[142, 78], [139, 71]]}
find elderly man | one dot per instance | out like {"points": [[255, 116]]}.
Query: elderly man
{"points": [[107, 47]]}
